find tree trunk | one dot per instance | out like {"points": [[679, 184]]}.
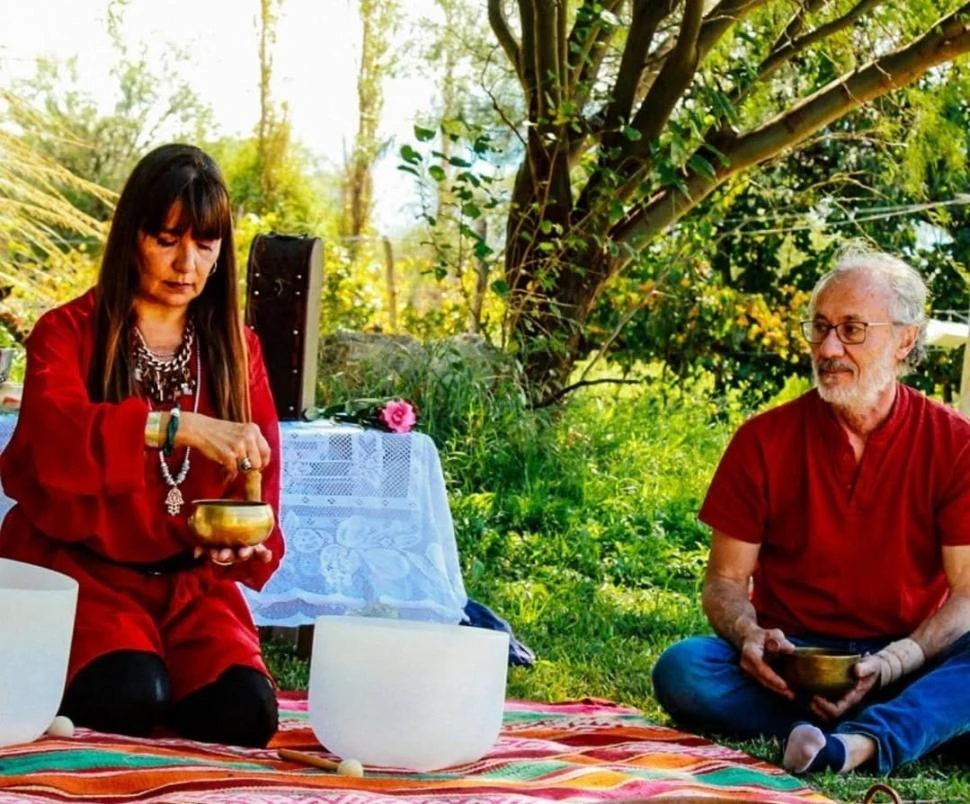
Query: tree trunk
{"points": [[559, 259]]}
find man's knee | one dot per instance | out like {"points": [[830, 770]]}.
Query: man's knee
{"points": [[682, 680]]}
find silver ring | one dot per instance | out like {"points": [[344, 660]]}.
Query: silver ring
{"points": [[245, 464]]}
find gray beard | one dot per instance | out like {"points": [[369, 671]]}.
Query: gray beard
{"points": [[863, 394]]}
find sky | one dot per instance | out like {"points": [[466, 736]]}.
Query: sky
{"points": [[314, 65]]}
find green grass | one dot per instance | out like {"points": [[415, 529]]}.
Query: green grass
{"points": [[580, 529]]}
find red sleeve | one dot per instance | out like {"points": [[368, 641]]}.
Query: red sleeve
{"points": [[73, 447], [254, 573], [736, 502]]}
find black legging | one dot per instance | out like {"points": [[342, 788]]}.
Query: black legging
{"points": [[128, 692]]}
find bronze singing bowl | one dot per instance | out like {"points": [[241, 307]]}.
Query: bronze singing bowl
{"points": [[233, 523], [819, 670]]}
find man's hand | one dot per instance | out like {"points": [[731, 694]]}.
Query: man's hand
{"points": [[867, 671], [759, 646]]}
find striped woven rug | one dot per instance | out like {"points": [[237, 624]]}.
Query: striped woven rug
{"points": [[579, 751]]}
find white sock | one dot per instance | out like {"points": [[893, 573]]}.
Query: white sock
{"points": [[804, 744]]}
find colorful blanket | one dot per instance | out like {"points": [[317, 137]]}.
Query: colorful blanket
{"points": [[580, 751]]}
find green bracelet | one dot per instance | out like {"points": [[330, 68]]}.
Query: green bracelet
{"points": [[171, 430]]}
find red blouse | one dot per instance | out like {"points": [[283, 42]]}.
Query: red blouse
{"points": [[80, 472]]}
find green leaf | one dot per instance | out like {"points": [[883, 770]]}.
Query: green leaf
{"points": [[501, 287], [722, 158], [631, 133], [409, 155], [700, 165], [471, 211], [437, 173], [470, 178], [424, 134], [724, 107], [482, 250]]}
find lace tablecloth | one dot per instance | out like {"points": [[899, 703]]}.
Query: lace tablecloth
{"points": [[367, 526]]}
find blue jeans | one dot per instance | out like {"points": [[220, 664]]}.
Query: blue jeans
{"points": [[699, 682]]}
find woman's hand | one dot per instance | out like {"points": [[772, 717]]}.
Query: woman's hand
{"points": [[227, 556], [227, 443], [758, 647]]}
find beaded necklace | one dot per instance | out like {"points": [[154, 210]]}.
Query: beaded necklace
{"points": [[164, 381], [174, 499]]}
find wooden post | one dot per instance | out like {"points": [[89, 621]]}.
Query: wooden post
{"points": [[389, 280], [481, 281], [964, 402]]}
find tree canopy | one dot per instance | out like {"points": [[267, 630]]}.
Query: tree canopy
{"points": [[636, 111]]}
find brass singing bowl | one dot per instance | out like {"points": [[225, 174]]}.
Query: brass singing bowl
{"points": [[819, 670], [230, 523], [233, 523]]}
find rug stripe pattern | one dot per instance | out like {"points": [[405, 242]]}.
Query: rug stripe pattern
{"points": [[589, 750]]}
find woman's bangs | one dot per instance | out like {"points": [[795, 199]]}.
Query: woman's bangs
{"points": [[203, 210]]}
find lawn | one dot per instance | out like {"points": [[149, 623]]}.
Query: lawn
{"points": [[580, 529]]}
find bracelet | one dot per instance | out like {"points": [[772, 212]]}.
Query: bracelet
{"points": [[154, 437], [898, 659], [171, 430]]}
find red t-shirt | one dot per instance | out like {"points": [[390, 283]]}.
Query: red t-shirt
{"points": [[846, 550]]}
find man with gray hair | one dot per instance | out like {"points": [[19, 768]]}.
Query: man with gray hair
{"points": [[840, 520]]}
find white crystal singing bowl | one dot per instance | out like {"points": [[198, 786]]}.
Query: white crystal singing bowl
{"points": [[406, 694], [36, 624]]}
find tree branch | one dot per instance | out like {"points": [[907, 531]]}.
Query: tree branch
{"points": [[500, 26], [647, 16], [545, 29], [797, 23], [720, 20], [530, 81], [945, 41], [557, 395], [587, 44], [675, 76], [782, 53]]}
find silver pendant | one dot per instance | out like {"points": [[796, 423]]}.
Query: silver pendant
{"points": [[174, 500]]}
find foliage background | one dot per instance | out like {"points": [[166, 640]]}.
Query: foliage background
{"points": [[576, 520]]}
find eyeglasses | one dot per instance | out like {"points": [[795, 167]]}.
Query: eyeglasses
{"points": [[849, 332]]}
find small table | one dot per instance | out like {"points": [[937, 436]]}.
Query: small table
{"points": [[367, 527]]}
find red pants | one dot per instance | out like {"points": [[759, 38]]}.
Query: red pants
{"points": [[196, 621]]}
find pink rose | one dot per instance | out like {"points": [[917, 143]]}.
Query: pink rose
{"points": [[399, 416]]}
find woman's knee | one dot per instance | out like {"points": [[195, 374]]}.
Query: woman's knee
{"points": [[238, 708], [123, 692]]}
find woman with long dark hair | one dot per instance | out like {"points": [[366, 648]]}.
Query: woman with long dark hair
{"points": [[146, 392]]}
